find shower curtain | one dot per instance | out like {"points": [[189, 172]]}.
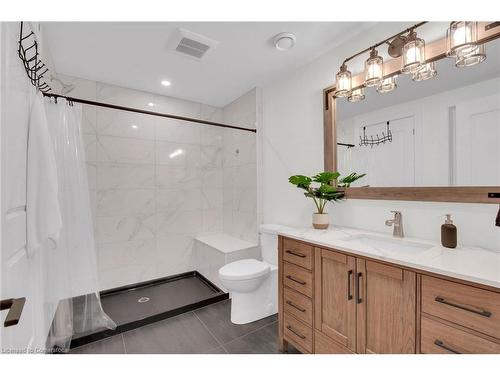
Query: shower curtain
{"points": [[70, 270]]}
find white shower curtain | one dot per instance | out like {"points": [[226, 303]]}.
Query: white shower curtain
{"points": [[71, 269]]}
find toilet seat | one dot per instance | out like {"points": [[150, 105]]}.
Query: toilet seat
{"points": [[245, 269]]}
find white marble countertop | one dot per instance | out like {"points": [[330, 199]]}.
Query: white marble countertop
{"points": [[467, 263]]}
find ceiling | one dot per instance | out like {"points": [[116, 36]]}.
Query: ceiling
{"points": [[137, 54]]}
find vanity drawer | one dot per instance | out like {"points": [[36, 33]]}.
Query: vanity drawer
{"points": [[297, 278], [438, 338], [298, 305], [471, 307], [298, 253], [325, 345], [298, 333]]}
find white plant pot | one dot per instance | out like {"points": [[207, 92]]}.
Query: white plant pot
{"points": [[320, 221]]}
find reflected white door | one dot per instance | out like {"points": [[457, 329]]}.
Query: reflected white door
{"points": [[477, 142], [390, 163]]}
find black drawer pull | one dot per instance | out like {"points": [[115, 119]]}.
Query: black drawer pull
{"points": [[290, 328], [296, 280], [290, 303], [15, 307], [485, 313], [358, 276], [291, 252], [442, 345], [349, 294]]}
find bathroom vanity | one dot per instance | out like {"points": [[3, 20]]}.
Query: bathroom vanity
{"points": [[347, 291]]}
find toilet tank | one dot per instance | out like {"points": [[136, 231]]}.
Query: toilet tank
{"points": [[269, 242]]}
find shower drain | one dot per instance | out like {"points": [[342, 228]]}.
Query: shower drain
{"points": [[143, 299]]}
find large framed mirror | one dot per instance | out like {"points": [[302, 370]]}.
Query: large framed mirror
{"points": [[427, 140]]}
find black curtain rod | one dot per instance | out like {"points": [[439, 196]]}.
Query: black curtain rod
{"points": [[129, 109], [348, 145]]}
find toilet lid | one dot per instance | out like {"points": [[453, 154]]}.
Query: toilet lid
{"points": [[244, 269]]}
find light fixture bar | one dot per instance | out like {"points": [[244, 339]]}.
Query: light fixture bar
{"points": [[386, 40]]}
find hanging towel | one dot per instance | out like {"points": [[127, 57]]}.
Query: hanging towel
{"points": [[42, 203]]}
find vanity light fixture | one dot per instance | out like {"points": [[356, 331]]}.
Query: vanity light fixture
{"points": [[427, 71], [387, 85], [471, 57], [413, 53], [461, 37], [405, 42], [373, 69], [462, 44], [344, 83], [357, 95]]}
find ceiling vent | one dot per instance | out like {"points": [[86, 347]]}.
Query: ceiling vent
{"points": [[189, 44]]}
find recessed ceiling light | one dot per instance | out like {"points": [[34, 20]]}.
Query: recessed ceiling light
{"points": [[150, 104], [284, 41], [166, 83], [134, 126]]}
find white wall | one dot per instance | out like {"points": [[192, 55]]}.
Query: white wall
{"points": [[293, 144]]}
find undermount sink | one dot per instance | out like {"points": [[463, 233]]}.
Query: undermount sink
{"points": [[388, 244]]}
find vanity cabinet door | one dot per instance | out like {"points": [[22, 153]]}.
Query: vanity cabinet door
{"points": [[335, 309], [386, 308]]}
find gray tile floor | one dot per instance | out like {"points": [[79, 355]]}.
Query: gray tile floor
{"points": [[207, 330]]}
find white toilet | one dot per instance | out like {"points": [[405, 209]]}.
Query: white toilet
{"points": [[253, 284]]}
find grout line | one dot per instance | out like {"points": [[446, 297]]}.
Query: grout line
{"points": [[209, 331], [249, 333]]}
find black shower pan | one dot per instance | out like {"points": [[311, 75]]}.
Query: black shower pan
{"points": [[136, 305]]}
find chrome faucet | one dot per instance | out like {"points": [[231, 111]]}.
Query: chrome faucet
{"points": [[397, 222]]}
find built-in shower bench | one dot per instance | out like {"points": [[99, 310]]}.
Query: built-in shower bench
{"points": [[212, 251]]}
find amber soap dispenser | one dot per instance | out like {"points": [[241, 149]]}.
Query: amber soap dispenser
{"points": [[449, 233]]}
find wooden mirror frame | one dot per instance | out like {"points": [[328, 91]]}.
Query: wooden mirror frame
{"points": [[487, 31]]}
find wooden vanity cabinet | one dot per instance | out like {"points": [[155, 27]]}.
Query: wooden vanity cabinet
{"points": [[337, 303], [334, 302], [296, 294], [386, 308], [458, 318], [331, 302], [365, 306]]}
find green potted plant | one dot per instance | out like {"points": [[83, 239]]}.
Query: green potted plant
{"points": [[323, 188]]}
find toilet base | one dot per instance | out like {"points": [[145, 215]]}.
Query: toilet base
{"points": [[258, 304]]}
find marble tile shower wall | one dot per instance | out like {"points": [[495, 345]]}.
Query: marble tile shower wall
{"points": [[155, 183], [149, 200], [240, 169]]}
